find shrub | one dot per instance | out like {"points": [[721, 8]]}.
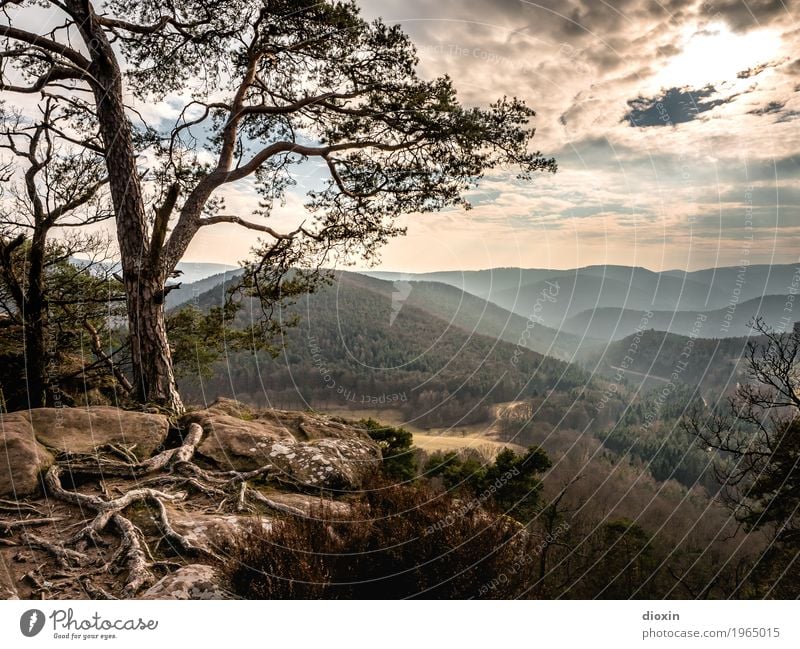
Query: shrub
{"points": [[511, 483], [399, 461], [395, 542]]}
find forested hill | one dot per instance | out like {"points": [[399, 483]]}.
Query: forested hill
{"points": [[462, 309], [473, 313], [613, 323], [364, 342], [653, 356], [623, 287]]}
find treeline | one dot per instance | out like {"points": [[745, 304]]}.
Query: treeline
{"points": [[642, 428]]}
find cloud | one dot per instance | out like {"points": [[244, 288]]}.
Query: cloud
{"points": [[771, 107], [755, 70], [675, 106], [743, 15], [659, 197]]}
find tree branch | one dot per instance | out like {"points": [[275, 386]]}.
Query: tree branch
{"points": [[236, 220], [46, 44]]}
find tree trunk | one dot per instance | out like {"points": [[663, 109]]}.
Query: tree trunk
{"points": [[152, 358], [153, 378], [36, 357], [34, 324]]}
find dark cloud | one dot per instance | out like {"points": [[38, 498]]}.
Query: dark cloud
{"points": [[751, 72], [743, 15], [788, 116], [771, 107], [668, 50], [777, 108], [675, 106]]}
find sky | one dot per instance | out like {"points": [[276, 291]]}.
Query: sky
{"points": [[674, 124]]}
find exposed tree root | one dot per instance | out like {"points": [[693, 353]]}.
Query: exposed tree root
{"points": [[94, 591], [94, 464], [286, 509], [7, 526], [17, 506], [66, 558], [131, 554], [174, 469]]}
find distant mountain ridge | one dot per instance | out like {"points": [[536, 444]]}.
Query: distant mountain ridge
{"points": [[613, 323], [196, 271], [189, 291], [621, 287], [442, 301]]}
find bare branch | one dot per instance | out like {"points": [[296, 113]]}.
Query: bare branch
{"points": [[236, 220]]}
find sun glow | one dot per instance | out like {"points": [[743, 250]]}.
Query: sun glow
{"points": [[716, 54]]}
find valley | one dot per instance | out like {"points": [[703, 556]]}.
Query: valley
{"points": [[461, 372]]}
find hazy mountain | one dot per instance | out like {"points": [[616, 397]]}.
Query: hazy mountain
{"points": [[460, 309], [475, 315], [482, 283], [613, 323], [195, 271], [629, 288], [192, 290]]}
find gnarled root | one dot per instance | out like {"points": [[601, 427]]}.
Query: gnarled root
{"points": [[66, 558], [132, 553], [172, 468], [96, 465]]}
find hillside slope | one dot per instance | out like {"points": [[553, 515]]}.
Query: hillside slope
{"points": [[459, 308], [356, 347], [650, 359]]}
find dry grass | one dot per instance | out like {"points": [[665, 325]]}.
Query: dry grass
{"points": [[397, 542]]}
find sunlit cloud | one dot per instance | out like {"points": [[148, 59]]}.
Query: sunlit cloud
{"points": [[667, 196]]}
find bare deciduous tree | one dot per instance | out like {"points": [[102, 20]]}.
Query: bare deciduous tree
{"points": [[757, 439], [50, 187]]}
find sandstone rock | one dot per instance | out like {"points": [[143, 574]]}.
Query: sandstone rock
{"points": [[307, 449], [81, 430], [337, 463], [195, 581], [23, 459], [232, 441], [213, 531], [308, 426]]}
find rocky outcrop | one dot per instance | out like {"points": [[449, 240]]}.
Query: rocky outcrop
{"points": [[81, 430], [28, 439], [235, 439], [211, 532], [309, 450], [337, 463], [22, 457], [195, 581], [116, 478]]}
